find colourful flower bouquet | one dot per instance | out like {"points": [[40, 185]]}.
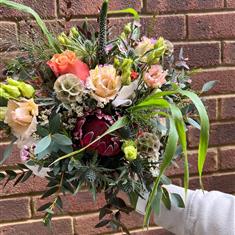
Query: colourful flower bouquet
{"points": [[108, 114]]}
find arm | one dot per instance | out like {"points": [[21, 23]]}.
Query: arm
{"points": [[204, 214]]}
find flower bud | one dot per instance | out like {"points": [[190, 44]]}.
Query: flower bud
{"points": [[61, 39], [116, 63], [160, 47], [126, 68], [11, 90], [3, 111], [4, 94], [26, 90], [130, 150], [127, 29], [74, 32]]}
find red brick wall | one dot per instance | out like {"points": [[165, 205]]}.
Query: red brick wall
{"points": [[206, 30]]}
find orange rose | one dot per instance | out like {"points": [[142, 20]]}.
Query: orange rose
{"points": [[67, 62]]}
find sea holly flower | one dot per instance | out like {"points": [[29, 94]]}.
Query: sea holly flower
{"points": [[21, 117], [67, 62], [104, 83], [155, 76], [93, 125]]}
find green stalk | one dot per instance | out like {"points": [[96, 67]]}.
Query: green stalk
{"points": [[41, 24], [101, 54]]}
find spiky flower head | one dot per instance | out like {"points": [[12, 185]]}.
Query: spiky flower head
{"points": [[69, 89]]}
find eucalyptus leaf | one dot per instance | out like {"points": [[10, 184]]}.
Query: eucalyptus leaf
{"points": [[177, 200], [43, 144], [55, 123], [207, 86], [62, 139]]}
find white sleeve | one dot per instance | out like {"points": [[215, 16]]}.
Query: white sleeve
{"points": [[205, 213]]}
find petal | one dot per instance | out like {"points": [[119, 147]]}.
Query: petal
{"points": [[108, 151], [87, 139]]}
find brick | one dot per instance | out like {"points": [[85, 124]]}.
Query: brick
{"points": [[230, 3], [155, 6], [224, 183], [227, 108], [44, 8], [62, 226], [157, 231], [200, 54], [14, 158], [74, 204], [225, 81], [226, 157], [8, 36], [81, 7], [86, 224], [170, 27], [14, 209], [211, 106], [229, 52], [210, 164], [32, 185], [211, 26], [220, 134]]}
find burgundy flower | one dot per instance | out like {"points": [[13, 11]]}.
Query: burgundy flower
{"points": [[90, 126]]}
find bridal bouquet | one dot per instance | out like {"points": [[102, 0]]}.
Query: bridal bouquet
{"points": [[108, 114]]}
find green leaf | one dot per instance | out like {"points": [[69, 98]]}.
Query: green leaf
{"points": [[207, 86], [62, 139], [41, 24], [102, 223], [180, 127], [55, 123], [128, 11], [2, 176], [50, 192], [166, 198], [193, 123], [44, 207], [177, 200], [43, 144], [8, 151], [170, 150], [157, 202], [11, 174], [151, 103], [121, 122], [42, 131], [204, 133]]}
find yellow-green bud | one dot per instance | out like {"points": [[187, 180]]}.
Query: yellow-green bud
{"points": [[74, 32], [26, 90], [12, 82], [4, 94], [3, 111], [11, 90], [61, 39], [130, 152], [160, 47], [127, 29], [116, 63], [126, 68]]}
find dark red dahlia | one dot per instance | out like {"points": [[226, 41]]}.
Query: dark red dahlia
{"points": [[92, 125]]}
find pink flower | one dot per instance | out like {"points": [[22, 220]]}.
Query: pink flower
{"points": [[67, 62], [88, 128], [155, 77]]}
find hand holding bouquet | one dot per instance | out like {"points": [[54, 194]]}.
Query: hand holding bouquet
{"points": [[107, 114]]}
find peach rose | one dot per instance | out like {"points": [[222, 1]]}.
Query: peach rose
{"points": [[67, 62], [104, 83], [155, 77], [21, 117]]}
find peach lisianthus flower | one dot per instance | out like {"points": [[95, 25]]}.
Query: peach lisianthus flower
{"points": [[67, 62], [146, 44], [21, 117], [155, 77], [104, 83]]}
